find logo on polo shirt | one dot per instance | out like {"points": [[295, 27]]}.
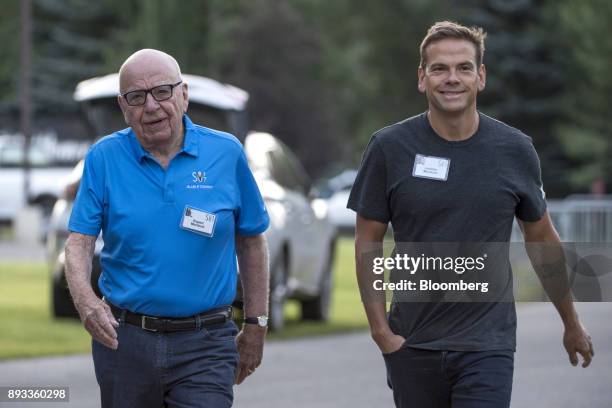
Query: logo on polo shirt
{"points": [[199, 176], [199, 181]]}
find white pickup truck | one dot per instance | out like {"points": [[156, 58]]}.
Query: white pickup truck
{"points": [[51, 161]]}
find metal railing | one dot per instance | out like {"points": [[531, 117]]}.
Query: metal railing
{"points": [[579, 218]]}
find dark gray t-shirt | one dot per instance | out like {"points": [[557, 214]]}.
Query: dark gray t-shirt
{"points": [[493, 176]]}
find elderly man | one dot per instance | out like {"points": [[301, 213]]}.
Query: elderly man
{"points": [[176, 203]]}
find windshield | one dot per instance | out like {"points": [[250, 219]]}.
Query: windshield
{"points": [[105, 117]]}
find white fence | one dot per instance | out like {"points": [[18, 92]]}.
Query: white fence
{"points": [[579, 219]]}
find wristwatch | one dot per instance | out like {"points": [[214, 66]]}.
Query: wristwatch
{"points": [[261, 321]]}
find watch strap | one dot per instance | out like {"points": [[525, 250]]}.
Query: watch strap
{"points": [[251, 320]]}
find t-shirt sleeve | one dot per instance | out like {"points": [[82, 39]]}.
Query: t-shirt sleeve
{"points": [[532, 199], [87, 211], [251, 216], [369, 196]]}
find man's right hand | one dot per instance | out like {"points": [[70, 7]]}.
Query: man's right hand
{"points": [[95, 314], [98, 320], [389, 343]]}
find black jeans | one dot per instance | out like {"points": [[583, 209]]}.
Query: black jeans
{"points": [[444, 379]]}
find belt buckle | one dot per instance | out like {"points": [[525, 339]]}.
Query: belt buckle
{"points": [[143, 325]]}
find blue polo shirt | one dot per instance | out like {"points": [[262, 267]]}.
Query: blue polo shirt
{"points": [[153, 261]]}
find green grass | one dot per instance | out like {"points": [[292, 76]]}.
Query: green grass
{"points": [[347, 310], [28, 330]]}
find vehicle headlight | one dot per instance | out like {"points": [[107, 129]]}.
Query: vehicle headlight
{"points": [[319, 206]]}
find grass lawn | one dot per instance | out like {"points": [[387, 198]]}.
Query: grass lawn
{"points": [[347, 310], [28, 330], [27, 327]]}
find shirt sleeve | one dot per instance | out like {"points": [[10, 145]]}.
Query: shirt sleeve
{"points": [[532, 199], [369, 196], [87, 211], [251, 216]]}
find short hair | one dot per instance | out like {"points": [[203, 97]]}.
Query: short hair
{"points": [[449, 29]]}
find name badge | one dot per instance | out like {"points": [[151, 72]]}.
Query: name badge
{"points": [[431, 167], [198, 221]]}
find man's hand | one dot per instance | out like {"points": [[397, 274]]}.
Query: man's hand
{"points": [[252, 252], [389, 342], [250, 343], [98, 320], [576, 340], [550, 252], [95, 314]]}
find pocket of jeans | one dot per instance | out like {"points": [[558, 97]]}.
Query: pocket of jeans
{"points": [[393, 353], [221, 331]]}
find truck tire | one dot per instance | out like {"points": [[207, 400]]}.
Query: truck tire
{"points": [[61, 301], [318, 308], [278, 294]]}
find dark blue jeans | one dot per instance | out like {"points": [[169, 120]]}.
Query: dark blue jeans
{"points": [[444, 379], [174, 370]]}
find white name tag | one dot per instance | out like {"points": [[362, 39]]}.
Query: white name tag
{"points": [[198, 221], [431, 167]]}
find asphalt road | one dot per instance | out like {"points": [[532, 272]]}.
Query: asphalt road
{"points": [[347, 371]]}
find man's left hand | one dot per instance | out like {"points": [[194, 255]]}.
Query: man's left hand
{"points": [[250, 343], [577, 340]]}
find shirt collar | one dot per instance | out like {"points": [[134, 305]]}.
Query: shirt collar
{"points": [[139, 152], [190, 141]]}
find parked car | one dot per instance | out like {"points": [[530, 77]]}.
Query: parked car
{"points": [[338, 189], [301, 241]]}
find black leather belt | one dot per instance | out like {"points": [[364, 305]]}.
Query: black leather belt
{"points": [[171, 324]]}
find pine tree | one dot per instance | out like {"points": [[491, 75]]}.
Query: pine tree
{"points": [[526, 76], [585, 131]]}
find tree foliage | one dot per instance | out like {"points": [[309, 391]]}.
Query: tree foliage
{"points": [[271, 50], [526, 75], [9, 68], [324, 75], [585, 132], [69, 39]]}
